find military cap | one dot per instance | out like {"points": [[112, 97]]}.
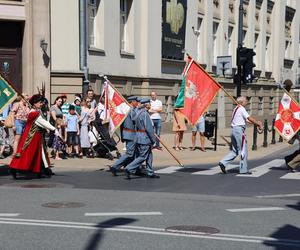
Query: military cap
{"points": [[145, 100], [132, 98]]}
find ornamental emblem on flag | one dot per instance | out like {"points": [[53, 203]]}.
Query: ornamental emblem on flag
{"points": [[287, 121]]}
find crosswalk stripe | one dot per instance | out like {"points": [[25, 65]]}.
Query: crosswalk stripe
{"points": [[291, 176], [169, 170], [215, 170], [263, 169]]}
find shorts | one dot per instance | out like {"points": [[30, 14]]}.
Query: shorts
{"points": [[72, 139], [200, 126], [20, 126]]}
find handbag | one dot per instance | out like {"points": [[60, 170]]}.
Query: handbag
{"points": [[10, 120]]}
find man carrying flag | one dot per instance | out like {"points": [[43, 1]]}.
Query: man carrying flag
{"points": [[238, 137]]}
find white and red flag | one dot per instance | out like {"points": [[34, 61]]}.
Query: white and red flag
{"points": [[116, 107], [199, 89], [287, 121]]}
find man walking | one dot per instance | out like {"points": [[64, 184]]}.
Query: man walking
{"points": [[144, 140], [238, 137], [156, 108], [128, 135]]}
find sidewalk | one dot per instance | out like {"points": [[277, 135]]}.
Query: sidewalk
{"points": [[186, 156]]}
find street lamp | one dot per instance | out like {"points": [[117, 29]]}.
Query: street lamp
{"points": [[44, 46]]}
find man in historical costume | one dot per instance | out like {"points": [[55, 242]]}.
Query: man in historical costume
{"points": [[145, 139], [238, 137], [31, 154], [128, 136]]}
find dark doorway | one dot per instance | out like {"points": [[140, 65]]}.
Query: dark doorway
{"points": [[11, 52]]}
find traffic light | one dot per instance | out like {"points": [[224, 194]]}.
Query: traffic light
{"points": [[245, 59]]}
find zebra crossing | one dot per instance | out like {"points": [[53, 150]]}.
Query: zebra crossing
{"points": [[257, 171]]}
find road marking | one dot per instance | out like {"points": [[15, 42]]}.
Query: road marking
{"points": [[278, 196], [254, 209], [149, 230], [169, 170], [9, 215], [263, 169], [123, 214], [291, 176], [215, 170]]}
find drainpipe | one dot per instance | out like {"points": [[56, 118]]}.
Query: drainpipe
{"points": [[83, 44]]}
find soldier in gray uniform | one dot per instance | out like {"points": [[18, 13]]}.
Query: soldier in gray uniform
{"points": [[144, 140], [128, 135]]}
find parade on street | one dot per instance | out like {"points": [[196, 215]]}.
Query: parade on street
{"points": [[154, 124]]}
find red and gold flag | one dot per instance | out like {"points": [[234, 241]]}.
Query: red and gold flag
{"points": [[287, 121], [116, 107], [200, 90]]}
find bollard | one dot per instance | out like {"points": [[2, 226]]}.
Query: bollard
{"points": [[273, 132], [254, 146], [265, 143]]}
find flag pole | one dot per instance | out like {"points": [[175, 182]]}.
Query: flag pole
{"points": [[288, 93], [225, 91], [169, 151]]}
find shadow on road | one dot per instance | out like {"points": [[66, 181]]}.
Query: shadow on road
{"points": [[288, 238], [96, 238], [295, 206]]}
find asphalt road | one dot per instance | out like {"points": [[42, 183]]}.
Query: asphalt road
{"points": [[191, 208]]}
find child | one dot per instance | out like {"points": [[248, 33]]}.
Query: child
{"points": [[73, 131], [58, 143]]}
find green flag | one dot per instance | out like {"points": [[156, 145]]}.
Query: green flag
{"points": [[179, 103], [7, 94]]}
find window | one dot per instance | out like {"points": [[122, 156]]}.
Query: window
{"points": [[267, 56], [230, 40], [96, 24], [271, 105], [126, 26], [249, 106], [256, 35], [215, 48], [92, 10], [260, 107], [198, 32]]}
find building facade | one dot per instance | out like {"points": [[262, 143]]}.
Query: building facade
{"points": [[124, 40]]}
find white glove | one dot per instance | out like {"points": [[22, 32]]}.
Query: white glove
{"points": [[56, 132]]}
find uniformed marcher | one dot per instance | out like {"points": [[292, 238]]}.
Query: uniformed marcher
{"points": [[128, 136], [145, 139]]}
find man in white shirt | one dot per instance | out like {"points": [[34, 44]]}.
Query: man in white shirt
{"points": [[238, 137], [156, 108]]}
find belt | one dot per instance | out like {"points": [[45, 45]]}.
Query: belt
{"points": [[133, 131], [129, 130]]}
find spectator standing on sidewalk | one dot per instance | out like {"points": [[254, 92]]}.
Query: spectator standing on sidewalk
{"points": [[155, 110], [91, 96], [199, 127], [21, 111], [65, 105], [73, 132], [238, 137], [178, 127]]}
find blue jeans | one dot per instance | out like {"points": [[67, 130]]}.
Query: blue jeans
{"points": [[236, 140], [157, 128]]}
